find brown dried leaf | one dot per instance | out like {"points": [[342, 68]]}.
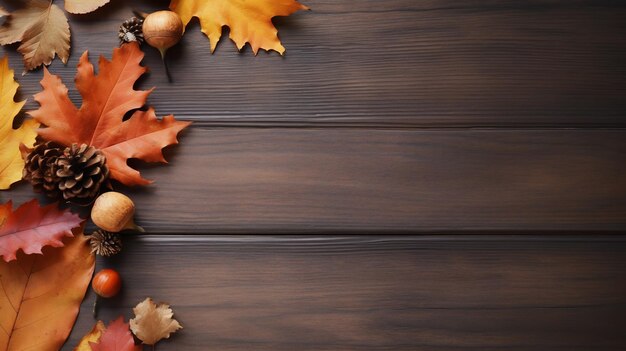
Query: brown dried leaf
{"points": [[83, 6], [153, 322], [12, 31], [43, 31]]}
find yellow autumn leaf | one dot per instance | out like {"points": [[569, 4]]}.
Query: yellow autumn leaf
{"points": [[250, 21], [93, 336], [11, 163]]}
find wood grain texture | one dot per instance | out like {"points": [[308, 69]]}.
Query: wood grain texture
{"points": [[376, 181], [401, 63], [401, 116], [377, 293]]}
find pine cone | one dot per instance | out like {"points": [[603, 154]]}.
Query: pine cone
{"points": [[105, 243], [40, 168], [80, 172], [131, 30]]}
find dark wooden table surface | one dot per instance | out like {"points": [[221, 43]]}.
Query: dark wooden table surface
{"points": [[446, 174]]}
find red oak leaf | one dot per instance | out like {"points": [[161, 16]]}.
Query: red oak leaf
{"points": [[31, 227], [116, 337], [99, 122]]}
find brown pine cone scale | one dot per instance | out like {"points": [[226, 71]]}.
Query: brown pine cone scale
{"points": [[104, 243], [40, 168], [131, 30], [74, 173], [81, 171]]}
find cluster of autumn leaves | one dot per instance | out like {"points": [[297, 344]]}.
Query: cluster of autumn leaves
{"points": [[47, 264], [151, 324], [99, 122], [43, 30]]}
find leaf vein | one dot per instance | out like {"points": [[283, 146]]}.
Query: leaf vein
{"points": [[7, 295]]}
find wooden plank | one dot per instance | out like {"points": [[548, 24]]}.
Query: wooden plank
{"points": [[377, 293], [373, 181], [437, 63]]}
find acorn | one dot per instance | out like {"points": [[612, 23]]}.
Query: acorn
{"points": [[106, 283], [162, 30], [114, 212]]}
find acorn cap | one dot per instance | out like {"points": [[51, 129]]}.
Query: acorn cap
{"points": [[104, 243], [131, 30]]}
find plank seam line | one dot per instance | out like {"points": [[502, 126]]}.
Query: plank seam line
{"points": [[372, 239]]}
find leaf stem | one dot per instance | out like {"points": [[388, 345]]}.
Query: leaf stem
{"points": [[95, 307], [167, 69]]}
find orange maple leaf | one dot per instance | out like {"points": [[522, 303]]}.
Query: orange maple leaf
{"points": [[99, 122]]}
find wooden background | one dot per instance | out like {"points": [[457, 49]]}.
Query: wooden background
{"points": [[489, 133]]}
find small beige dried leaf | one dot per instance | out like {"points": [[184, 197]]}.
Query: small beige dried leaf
{"points": [[43, 30], [83, 6], [153, 322]]}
